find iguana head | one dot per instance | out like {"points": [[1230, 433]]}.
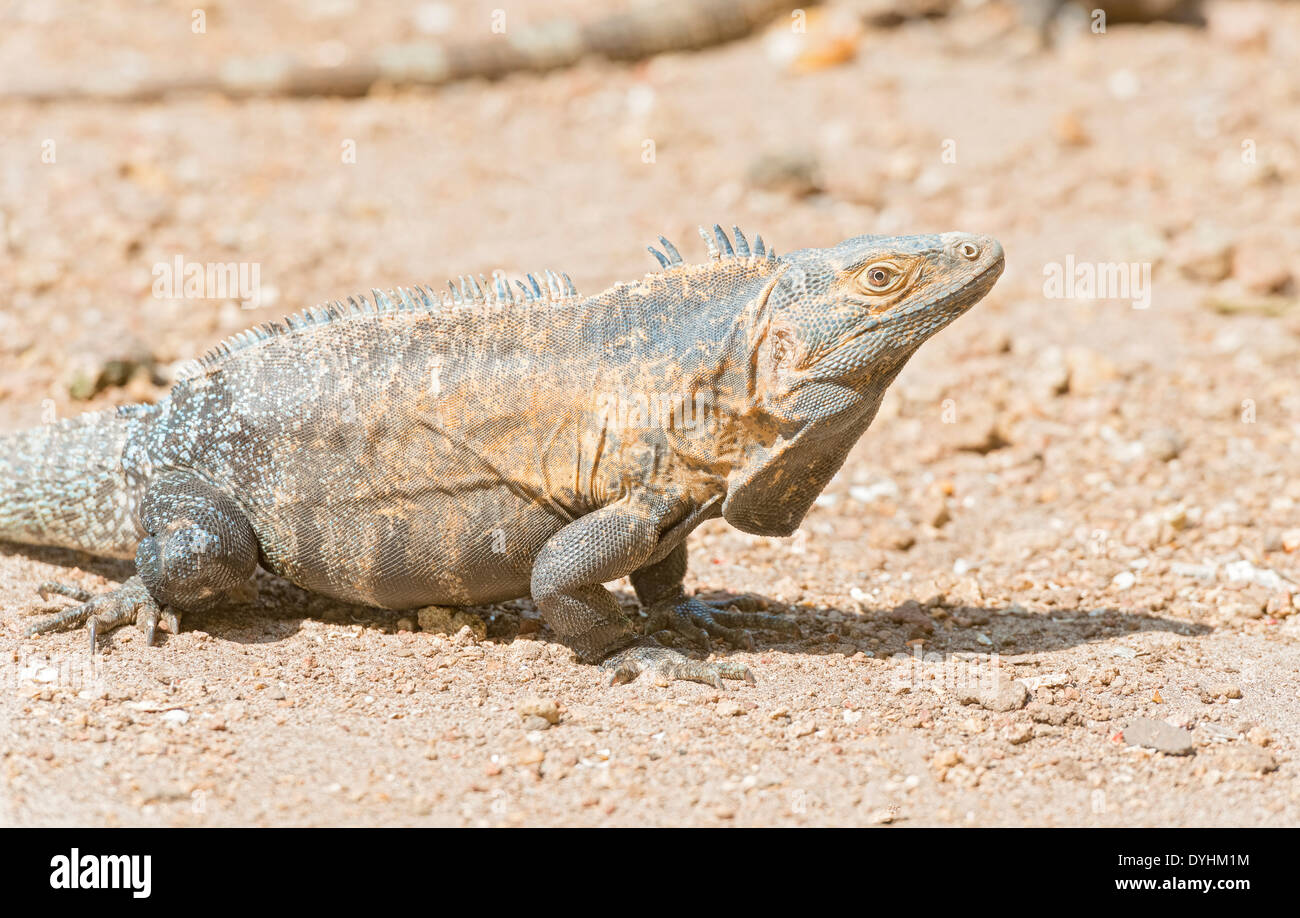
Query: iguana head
{"points": [[830, 334]]}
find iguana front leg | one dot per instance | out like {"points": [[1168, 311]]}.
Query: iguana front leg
{"points": [[566, 585], [659, 587], [198, 547]]}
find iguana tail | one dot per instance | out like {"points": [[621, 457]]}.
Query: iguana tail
{"points": [[63, 484]]}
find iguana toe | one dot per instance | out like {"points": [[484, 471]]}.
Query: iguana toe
{"points": [[743, 612], [698, 620], [130, 602], [648, 654], [64, 589]]}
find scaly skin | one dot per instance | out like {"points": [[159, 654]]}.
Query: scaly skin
{"points": [[406, 452]]}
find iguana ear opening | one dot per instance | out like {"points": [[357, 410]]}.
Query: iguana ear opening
{"points": [[776, 487]]}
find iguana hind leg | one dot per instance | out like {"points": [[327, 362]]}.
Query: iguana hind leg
{"points": [[659, 587], [199, 547], [566, 585]]}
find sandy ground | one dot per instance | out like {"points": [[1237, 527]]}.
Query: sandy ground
{"points": [[1094, 500]]}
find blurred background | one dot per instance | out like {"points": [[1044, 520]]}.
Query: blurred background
{"points": [[1072, 447], [339, 146]]}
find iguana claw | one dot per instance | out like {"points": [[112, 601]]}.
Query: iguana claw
{"points": [[697, 620], [129, 602], [648, 654]]}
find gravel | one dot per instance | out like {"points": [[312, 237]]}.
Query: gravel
{"points": [[1072, 488]]}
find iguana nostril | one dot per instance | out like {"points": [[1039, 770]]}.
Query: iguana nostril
{"points": [[969, 250]]}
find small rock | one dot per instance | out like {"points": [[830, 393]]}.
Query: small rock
{"points": [[1070, 131], [792, 173], [1053, 714], [1160, 736], [1250, 760], [1020, 734], [935, 512], [891, 538], [945, 758], [93, 374], [801, 729], [545, 708], [728, 708], [1051, 376], [1261, 269], [1279, 605], [447, 620], [829, 37], [1243, 608], [1008, 696], [1163, 444], [1244, 570], [1259, 736], [1090, 371], [525, 753], [910, 613], [982, 435], [1205, 255], [1243, 26], [884, 489], [884, 817], [527, 650], [1176, 517]]}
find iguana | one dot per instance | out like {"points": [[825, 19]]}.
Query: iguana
{"points": [[406, 449]]}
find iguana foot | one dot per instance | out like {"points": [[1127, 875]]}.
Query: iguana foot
{"points": [[130, 602], [648, 654], [745, 611], [697, 620]]}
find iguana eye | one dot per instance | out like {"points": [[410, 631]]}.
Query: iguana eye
{"points": [[880, 277]]}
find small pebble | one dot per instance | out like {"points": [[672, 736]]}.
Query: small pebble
{"points": [[546, 709], [1160, 736]]}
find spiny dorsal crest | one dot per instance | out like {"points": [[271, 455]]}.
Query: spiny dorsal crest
{"points": [[719, 247], [472, 295]]}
